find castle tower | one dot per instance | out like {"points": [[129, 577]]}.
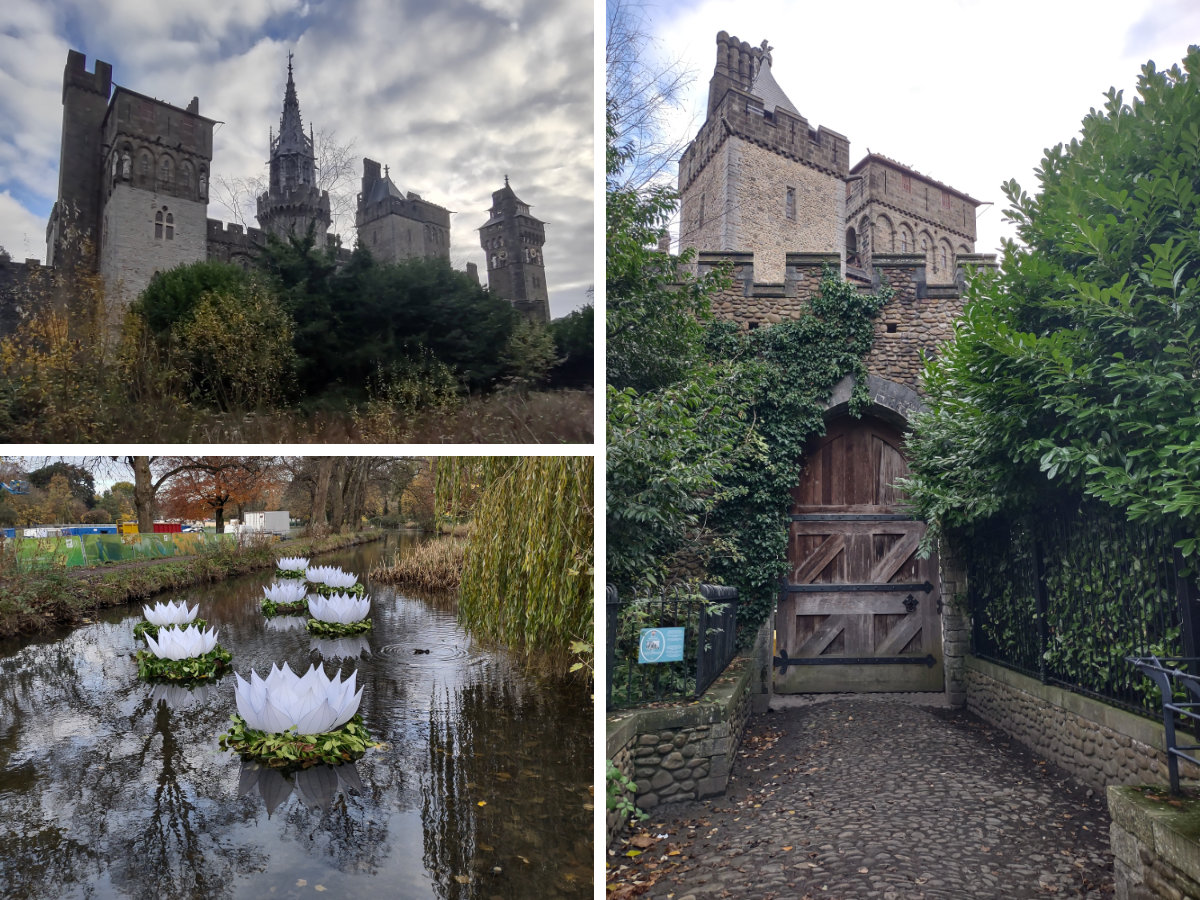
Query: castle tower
{"points": [[154, 192], [512, 241], [396, 225], [72, 235], [757, 176], [293, 201]]}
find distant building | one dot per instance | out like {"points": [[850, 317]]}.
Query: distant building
{"points": [[512, 240], [133, 190]]}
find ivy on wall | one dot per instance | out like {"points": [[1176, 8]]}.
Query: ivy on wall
{"points": [[786, 373]]}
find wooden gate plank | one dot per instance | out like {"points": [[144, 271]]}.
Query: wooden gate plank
{"points": [[899, 636], [884, 570], [822, 637], [821, 557]]}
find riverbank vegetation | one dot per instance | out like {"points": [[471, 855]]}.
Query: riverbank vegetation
{"points": [[40, 601], [306, 346], [525, 568]]}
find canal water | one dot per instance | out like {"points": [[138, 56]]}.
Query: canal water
{"points": [[110, 787]]}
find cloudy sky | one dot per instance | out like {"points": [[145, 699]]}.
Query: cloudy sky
{"points": [[969, 92], [452, 95]]}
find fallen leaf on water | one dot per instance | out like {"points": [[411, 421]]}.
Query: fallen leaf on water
{"points": [[481, 803], [463, 879]]}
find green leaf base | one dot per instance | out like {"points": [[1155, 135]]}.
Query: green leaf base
{"points": [[290, 573], [325, 590], [271, 608], [143, 628], [337, 629], [210, 666], [288, 751]]}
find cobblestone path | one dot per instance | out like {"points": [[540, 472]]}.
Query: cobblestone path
{"points": [[855, 797]]}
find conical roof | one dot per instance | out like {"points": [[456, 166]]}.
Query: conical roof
{"points": [[772, 94], [292, 138]]}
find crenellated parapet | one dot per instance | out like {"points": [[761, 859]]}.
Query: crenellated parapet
{"points": [[919, 317]]}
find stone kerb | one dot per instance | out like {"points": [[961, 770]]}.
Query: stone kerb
{"points": [[1098, 744], [682, 751], [1155, 845]]}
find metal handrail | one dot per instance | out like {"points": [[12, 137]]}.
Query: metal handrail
{"points": [[1163, 675]]}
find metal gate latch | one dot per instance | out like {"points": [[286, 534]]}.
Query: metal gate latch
{"points": [[910, 602]]}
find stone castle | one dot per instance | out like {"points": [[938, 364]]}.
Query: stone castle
{"points": [[133, 190], [763, 190]]}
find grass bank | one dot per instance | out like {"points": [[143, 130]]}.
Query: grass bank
{"points": [[39, 601]]}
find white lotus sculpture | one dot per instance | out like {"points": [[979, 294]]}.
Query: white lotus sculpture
{"points": [[286, 591], [339, 579], [292, 564], [311, 703], [318, 574], [170, 614], [182, 643], [344, 609]]}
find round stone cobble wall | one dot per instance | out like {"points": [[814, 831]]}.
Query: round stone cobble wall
{"points": [[1095, 753]]}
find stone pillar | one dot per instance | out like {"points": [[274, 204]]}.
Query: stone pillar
{"points": [[956, 627]]}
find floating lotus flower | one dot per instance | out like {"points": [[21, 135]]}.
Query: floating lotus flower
{"points": [[163, 615], [338, 615], [291, 566], [182, 643], [182, 654], [327, 579], [285, 597], [311, 703], [170, 613], [292, 710]]}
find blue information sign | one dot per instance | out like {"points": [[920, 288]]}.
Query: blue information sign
{"points": [[660, 645]]}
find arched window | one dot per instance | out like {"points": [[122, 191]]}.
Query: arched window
{"points": [[145, 167], [186, 173], [700, 223], [906, 241], [166, 171], [170, 227], [158, 225], [164, 225], [885, 234], [851, 247]]}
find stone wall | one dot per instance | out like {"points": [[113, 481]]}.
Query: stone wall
{"points": [[135, 244], [1154, 845], [686, 751], [1098, 744], [917, 318]]}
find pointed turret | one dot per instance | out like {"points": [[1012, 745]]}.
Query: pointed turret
{"points": [[292, 201]]}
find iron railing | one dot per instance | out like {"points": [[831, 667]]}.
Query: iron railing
{"points": [[1068, 597], [1173, 683], [709, 621]]}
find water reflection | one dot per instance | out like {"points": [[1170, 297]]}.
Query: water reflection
{"points": [[285, 623], [316, 787], [110, 789], [349, 647], [178, 696]]}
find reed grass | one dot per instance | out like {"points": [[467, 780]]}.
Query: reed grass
{"points": [[432, 566]]}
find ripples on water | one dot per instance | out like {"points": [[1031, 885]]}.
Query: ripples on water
{"points": [[110, 787]]}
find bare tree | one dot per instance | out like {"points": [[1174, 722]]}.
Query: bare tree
{"points": [[640, 88]]}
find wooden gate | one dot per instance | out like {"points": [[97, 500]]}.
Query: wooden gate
{"points": [[859, 611]]}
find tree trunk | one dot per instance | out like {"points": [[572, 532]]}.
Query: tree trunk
{"points": [[143, 493], [219, 515], [316, 522], [337, 512]]}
